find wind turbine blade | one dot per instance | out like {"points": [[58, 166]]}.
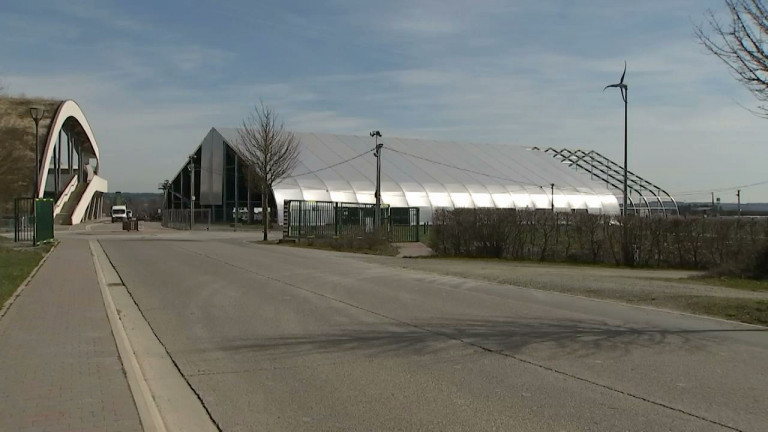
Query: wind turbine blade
{"points": [[609, 86], [621, 81]]}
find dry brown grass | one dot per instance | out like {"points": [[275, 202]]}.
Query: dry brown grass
{"points": [[17, 146]]}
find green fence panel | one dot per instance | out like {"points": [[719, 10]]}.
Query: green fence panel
{"points": [[327, 219], [404, 226], [43, 219]]}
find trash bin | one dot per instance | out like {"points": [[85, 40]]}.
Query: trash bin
{"points": [[131, 225]]}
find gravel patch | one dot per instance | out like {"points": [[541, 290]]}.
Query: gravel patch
{"points": [[668, 289]]}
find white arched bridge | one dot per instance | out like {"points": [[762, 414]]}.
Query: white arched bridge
{"points": [[70, 167], [69, 159]]}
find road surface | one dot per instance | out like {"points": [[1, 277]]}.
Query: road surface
{"points": [[281, 338]]}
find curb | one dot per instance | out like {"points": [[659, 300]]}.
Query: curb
{"points": [[20, 288], [150, 417], [164, 399]]}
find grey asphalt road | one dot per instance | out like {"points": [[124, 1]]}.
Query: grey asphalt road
{"points": [[286, 339]]}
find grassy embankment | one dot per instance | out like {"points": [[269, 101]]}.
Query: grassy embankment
{"points": [[16, 264], [730, 298], [753, 311]]}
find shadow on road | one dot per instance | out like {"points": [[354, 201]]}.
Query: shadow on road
{"points": [[570, 338]]}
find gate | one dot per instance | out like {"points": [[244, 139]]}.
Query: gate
{"points": [[404, 224]]}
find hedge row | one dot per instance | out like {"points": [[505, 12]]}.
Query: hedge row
{"points": [[697, 243]]}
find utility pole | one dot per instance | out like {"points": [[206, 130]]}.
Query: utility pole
{"points": [[377, 215], [237, 203], [165, 185], [738, 200], [191, 191]]}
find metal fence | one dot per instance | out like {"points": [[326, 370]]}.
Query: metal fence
{"points": [[24, 220], [32, 220], [181, 219], [404, 224], [327, 219]]}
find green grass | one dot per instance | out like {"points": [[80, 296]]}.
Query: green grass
{"points": [[15, 265], [752, 311], [730, 282]]}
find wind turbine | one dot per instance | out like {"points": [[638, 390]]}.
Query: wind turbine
{"points": [[624, 93]]}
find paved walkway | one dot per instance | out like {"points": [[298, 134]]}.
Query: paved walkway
{"points": [[59, 367]]}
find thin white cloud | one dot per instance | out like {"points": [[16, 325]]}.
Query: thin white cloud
{"points": [[99, 11], [327, 121]]}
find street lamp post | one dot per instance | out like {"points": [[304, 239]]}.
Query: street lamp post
{"points": [[37, 114], [164, 186], [377, 216], [191, 191]]}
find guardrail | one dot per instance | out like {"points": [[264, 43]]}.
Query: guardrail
{"points": [[62, 201]]}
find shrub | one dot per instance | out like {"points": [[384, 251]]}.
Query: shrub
{"points": [[678, 242]]}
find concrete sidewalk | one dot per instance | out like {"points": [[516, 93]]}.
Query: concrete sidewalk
{"points": [[59, 366]]}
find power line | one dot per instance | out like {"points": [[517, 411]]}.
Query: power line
{"points": [[726, 189], [332, 166], [304, 173], [521, 182]]}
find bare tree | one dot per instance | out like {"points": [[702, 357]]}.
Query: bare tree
{"points": [[270, 151], [742, 44]]}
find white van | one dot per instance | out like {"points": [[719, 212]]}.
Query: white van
{"points": [[119, 213]]}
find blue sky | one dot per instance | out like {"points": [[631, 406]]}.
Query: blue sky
{"points": [[154, 76]]}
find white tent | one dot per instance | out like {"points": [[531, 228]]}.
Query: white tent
{"points": [[433, 174]]}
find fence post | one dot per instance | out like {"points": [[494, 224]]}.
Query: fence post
{"points": [[15, 220], [301, 214], [286, 218], [416, 225]]}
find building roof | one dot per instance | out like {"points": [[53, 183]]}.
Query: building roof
{"points": [[435, 174]]}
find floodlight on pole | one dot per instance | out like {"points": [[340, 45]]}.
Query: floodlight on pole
{"points": [[37, 113], [624, 89], [191, 191], [552, 196], [377, 215]]}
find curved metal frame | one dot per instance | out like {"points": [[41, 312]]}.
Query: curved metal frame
{"points": [[610, 172]]}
